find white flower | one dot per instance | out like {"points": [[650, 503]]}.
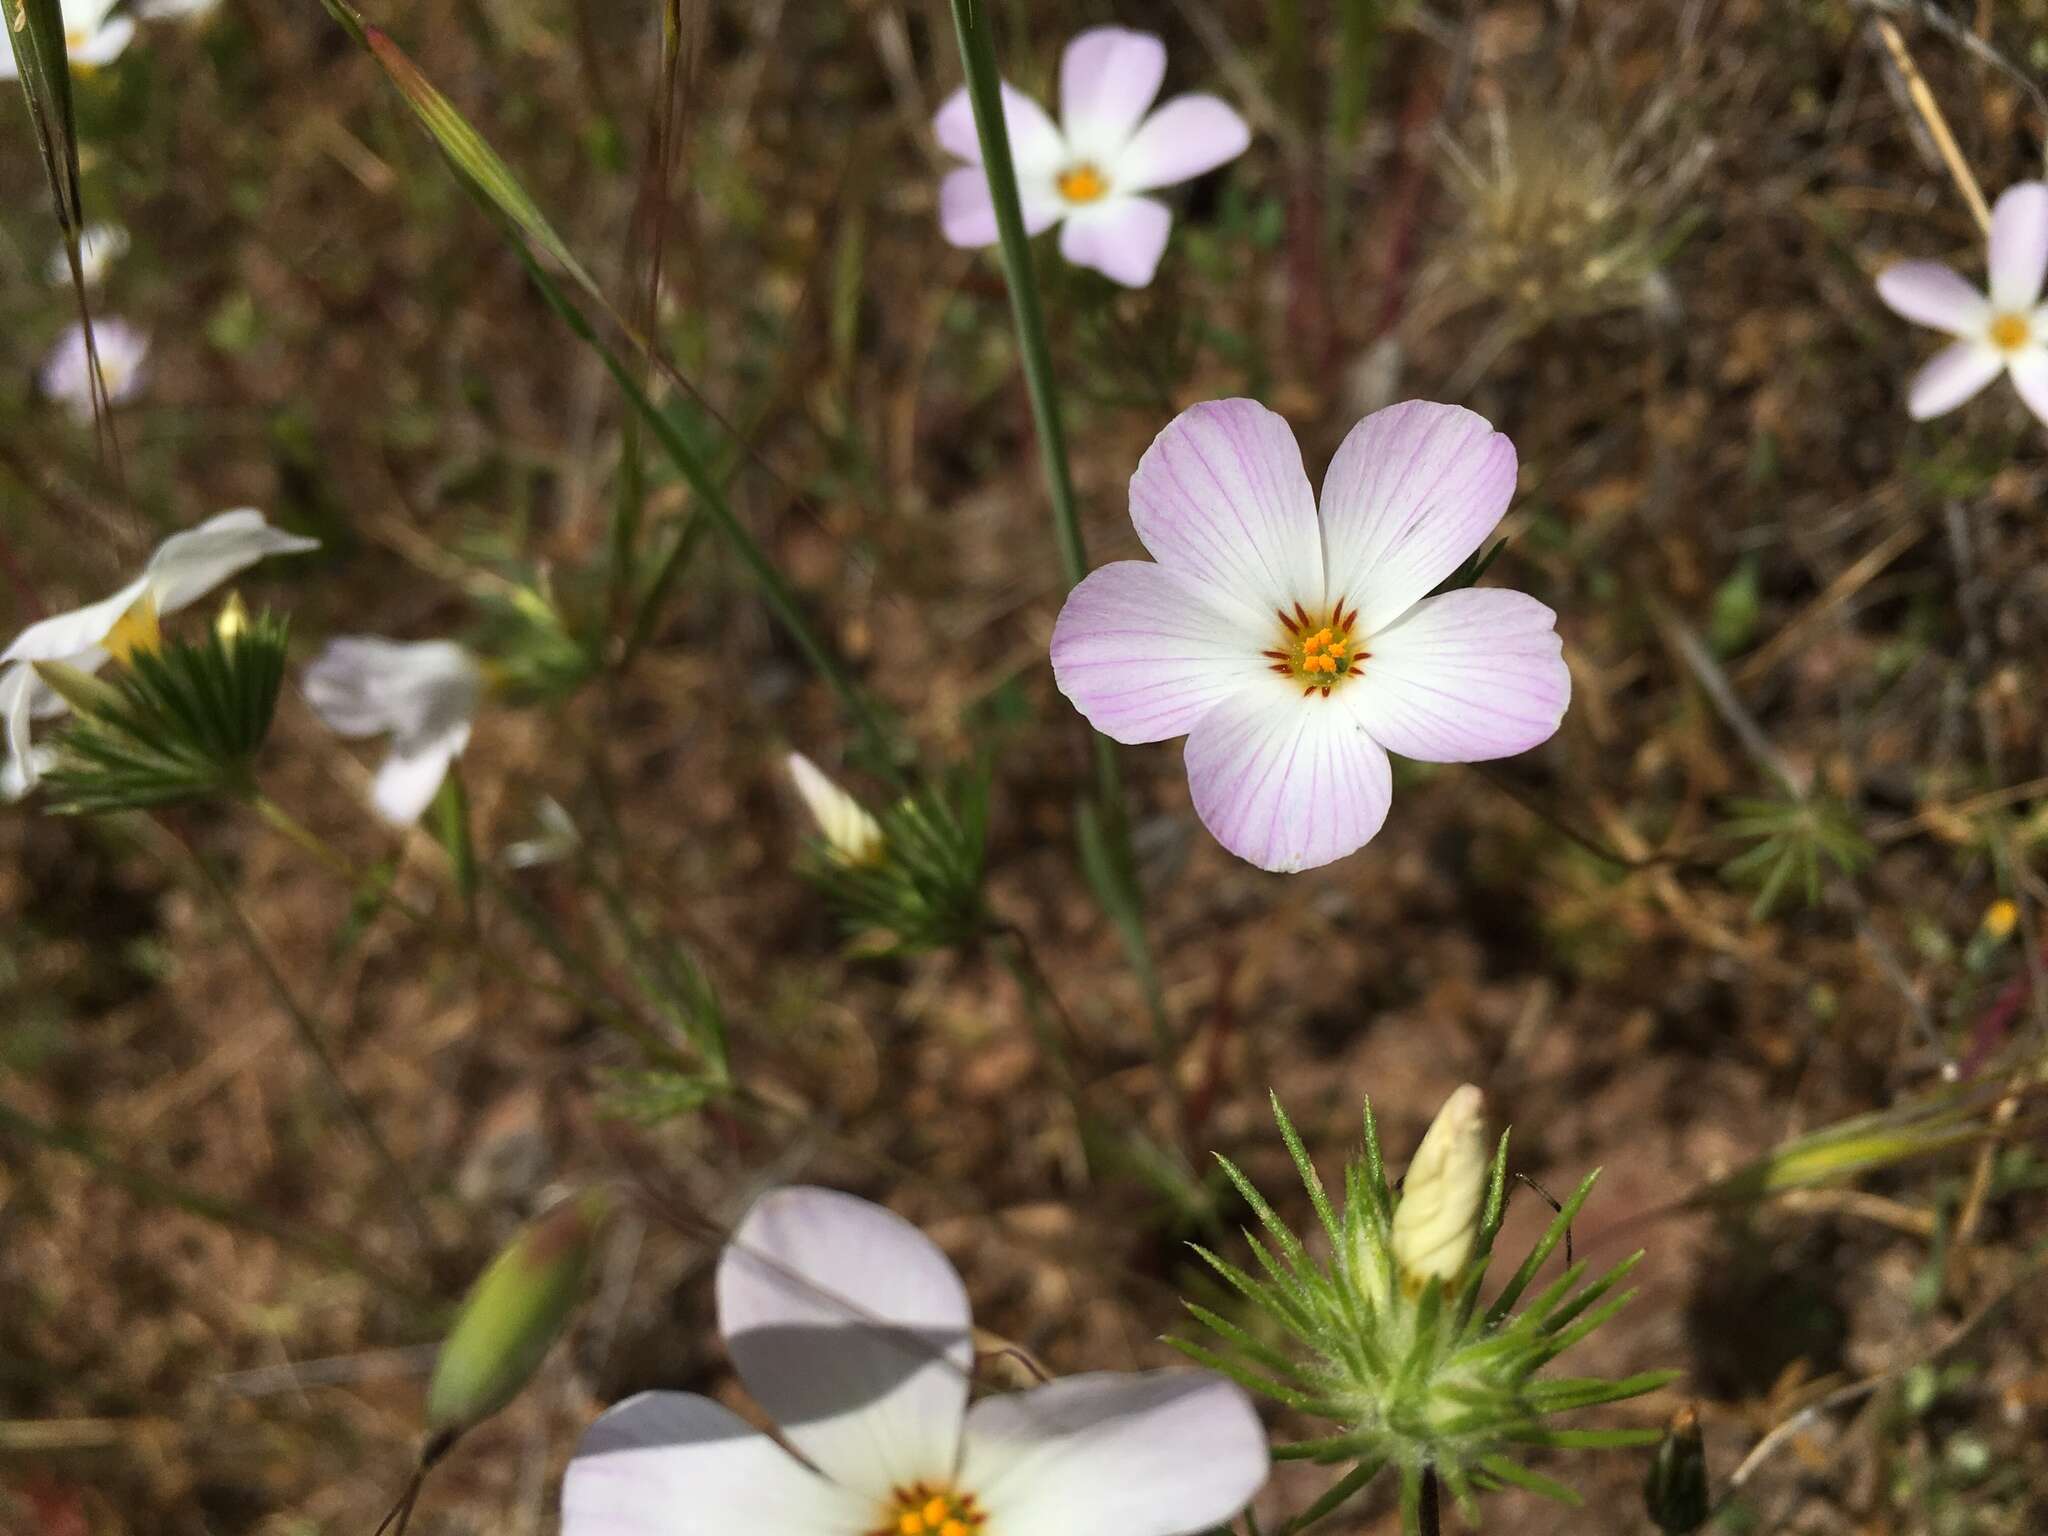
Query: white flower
{"points": [[423, 695], [851, 1331], [1087, 173], [98, 249], [185, 567], [1437, 1220], [853, 835], [2003, 332], [93, 35], [66, 374], [176, 10]]}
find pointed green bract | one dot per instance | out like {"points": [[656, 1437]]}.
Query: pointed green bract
{"points": [[1414, 1376]]}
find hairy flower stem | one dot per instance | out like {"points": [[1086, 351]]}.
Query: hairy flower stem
{"points": [[1115, 879]]}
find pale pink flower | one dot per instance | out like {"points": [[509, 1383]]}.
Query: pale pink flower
{"points": [[2005, 331], [851, 1331], [66, 374], [1293, 649], [1089, 173]]}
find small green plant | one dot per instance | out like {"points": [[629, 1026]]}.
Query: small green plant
{"points": [[1793, 839], [1389, 1341]]}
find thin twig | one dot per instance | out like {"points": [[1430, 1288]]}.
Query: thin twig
{"points": [[1936, 125]]}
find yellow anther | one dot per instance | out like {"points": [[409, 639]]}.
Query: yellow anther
{"points": [[935, 1511], [2000, 918], [1082, 184], [2010, 332], [911, 1524]]}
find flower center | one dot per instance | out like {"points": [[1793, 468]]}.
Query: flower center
{"points": [[2010, 332], [930, 1509], [1082, 184], [1316, 650], [136, 630]]}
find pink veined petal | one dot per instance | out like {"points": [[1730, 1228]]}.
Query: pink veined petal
{"points": [[852, 1330], [1221, 499], [1464, 677], [967, 215], [674, 1464], [1144, 655], [1108, 77], [1413, 490], [1036, 147], [1954, 374], [2029, 370], [1156, 1453], [1287, 782], [1928, 293], [1120, 237], [2019, 245], [1184, 138]]}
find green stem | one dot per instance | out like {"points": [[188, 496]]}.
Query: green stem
{"points": [[974, 26], [329, 1248]]}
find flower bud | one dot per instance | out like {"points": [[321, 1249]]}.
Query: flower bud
{"points": [[1437, 1221], [1676, 1489], [514, 1313], [86, 694], [853, 835], [232, 622]]}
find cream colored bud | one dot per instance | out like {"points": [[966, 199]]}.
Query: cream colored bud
{"points": [[1437, 1221], [232, 622], [853, 835]]}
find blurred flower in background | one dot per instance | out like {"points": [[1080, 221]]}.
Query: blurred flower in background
{"points": [[422, 694], [1088, 172], [66, 374], [93, 35], [99, 247], [851, 1330], [850, 830], [1295, 649], [176, 10], [2002, 332], [185, 567]]}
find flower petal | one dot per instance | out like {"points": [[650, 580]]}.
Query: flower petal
{"points": [[22, 769], [188, 565], [412, 775], [1155, 1453], [1120, 237], [852, 1330], [2019, 245], [1464, 677], [1036, 148], [1144, 654], [1954, 374], [1221, 499], [107, 43], [1413, 490], [967, 215], [674, 1464], [1928, 293], [1108, 77], [1183, 139], [2029, 369], [65, 636], [1287, 782], [366, 685]]}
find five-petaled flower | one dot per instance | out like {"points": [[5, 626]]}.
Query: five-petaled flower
{"points": [[851, 1330], [66, 374], [1090, 171], [423, 694], [2005, 331], [185, 567], [93, 35], [1295, 650]]}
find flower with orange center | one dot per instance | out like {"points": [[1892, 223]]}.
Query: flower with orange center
{"points": [[851, 1330], [2002, 331]]}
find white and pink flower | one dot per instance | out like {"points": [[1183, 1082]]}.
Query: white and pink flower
{"points": [[1296, 649], [1089, 173], [66, 374], [852, 1332], [2004, 331]]}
